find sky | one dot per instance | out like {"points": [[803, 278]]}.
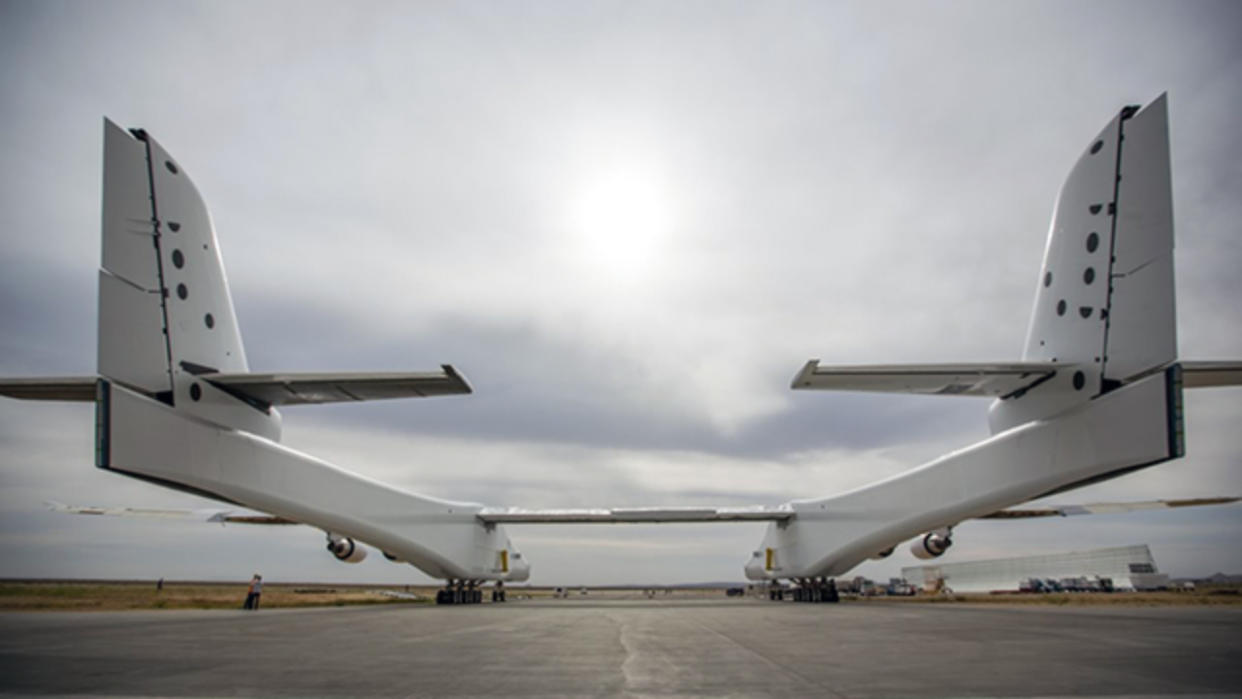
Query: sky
{"points": [[628, 225]]}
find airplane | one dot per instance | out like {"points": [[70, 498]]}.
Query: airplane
{"points": [[1097, 392]]}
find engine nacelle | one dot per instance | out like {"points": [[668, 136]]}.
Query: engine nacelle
{"points": [[930, 545], [347, 550]]}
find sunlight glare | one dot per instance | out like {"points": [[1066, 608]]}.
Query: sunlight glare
{"points": [[622, 221]]}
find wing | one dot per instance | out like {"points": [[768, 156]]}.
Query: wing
{"points": [[215, 516], [266, 390], [1205, 374], [1104, 508], [305, 389], [633, 515], [992, 380], [72, 388]]}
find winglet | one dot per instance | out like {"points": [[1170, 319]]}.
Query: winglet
{"points": [[803, 379]]}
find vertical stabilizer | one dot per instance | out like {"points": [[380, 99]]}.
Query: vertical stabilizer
{"points": [[132, 349], [1142, 322], [1104, 300], [165, 313]]}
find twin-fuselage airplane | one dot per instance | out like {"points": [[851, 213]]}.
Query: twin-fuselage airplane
{"points": [[1096, 394]]}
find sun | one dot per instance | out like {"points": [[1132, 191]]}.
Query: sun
{"points": [[621, 221]]}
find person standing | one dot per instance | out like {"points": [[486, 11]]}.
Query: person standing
{"points": [[256, 589]]}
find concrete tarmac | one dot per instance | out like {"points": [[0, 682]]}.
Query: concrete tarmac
{"points": [[580, 648]]}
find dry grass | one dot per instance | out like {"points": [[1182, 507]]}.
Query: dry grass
{"points": [[53, 595], [113, 596]]}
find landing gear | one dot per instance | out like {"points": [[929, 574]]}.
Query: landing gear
{"points": [[817, 590], [821, 590], [467, 592]]}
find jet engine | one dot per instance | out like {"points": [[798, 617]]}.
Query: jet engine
{"points": [[931, 545], [346, 549]]}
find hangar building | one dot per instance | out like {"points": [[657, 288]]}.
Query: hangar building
{"points": [[1129, 567]]}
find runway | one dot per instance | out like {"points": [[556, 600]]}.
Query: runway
{"points": [[629, 648]]}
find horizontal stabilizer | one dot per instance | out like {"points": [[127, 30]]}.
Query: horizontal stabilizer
{"points": [[633, 515], [1104, 508], [213, 516], [991, 380], [1209, 374], [304, 389], [73, 388]]}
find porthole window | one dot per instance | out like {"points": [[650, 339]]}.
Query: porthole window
{"points": [[1093, 241], [1080, 380], [209, 320], [1095, 208], [1084, 311], [171, 168], [1088, 275], [1061, 307], [1047, 279], [182, 292], [195, 391], [1095, 147], [174, 226], [178, 259]]}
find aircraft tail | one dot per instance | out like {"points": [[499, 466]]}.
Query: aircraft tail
{"points": [[165, 313], [1104, 304]]}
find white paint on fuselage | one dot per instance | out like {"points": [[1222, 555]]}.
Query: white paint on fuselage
{"points": [[829, 536]]}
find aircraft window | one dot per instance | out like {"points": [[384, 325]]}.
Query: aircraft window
{"points": [[1084, 311], [174, 226], [182, 292], [1093, 242], [1095, 208], [1095, 147], [210, 321], [195, 392], [171, 168], [178, 259], [1079, 380], [1047, 278], [1088, 275], [1061, 307]]}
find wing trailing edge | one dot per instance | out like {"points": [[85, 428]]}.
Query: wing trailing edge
{"points": [[308, 389], [995, 380], [267, 390], [207, 515], [1209, 374], [66, 388], [1104, 508], [633, 515]]}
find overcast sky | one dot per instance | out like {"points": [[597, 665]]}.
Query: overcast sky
{"points": [[628, 225]]}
